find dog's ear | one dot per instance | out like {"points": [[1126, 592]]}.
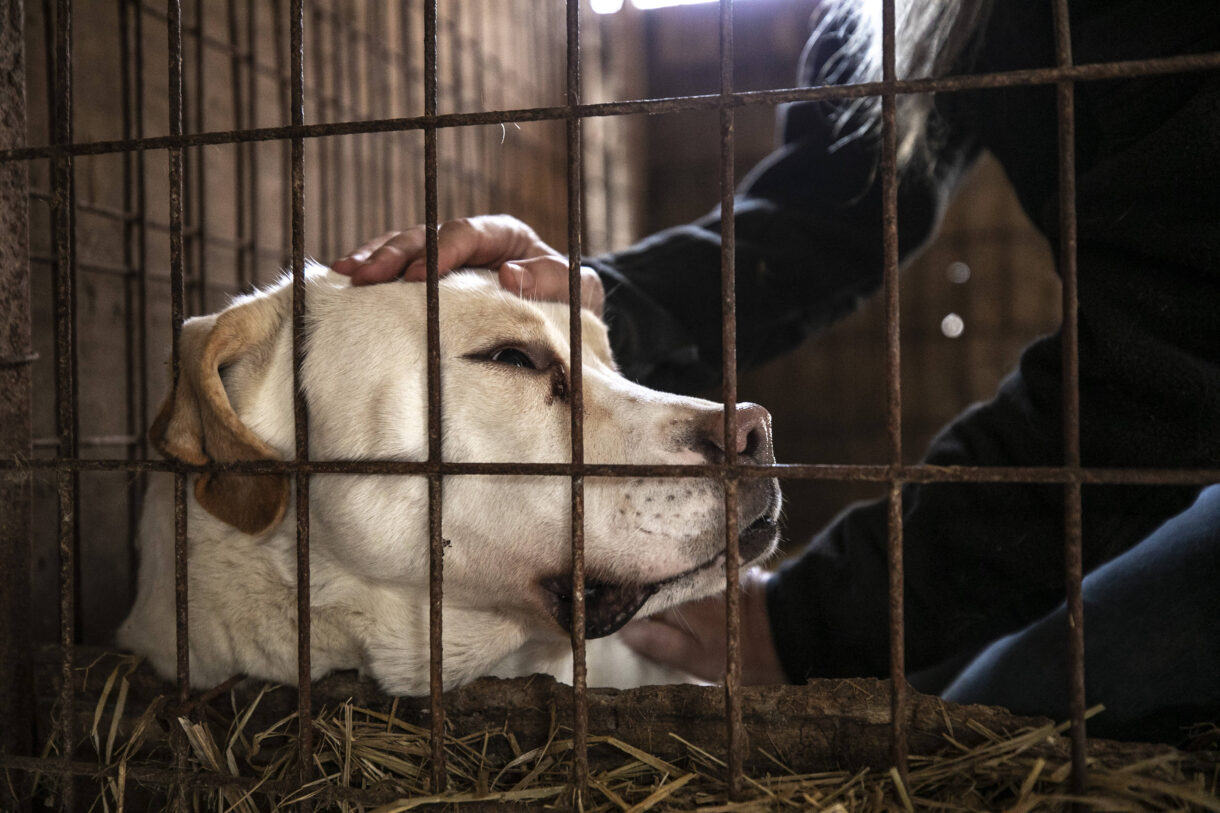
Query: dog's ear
{"points": [[197, 423]]}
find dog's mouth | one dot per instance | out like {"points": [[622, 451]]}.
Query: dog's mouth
{"points": [[609, 605]]}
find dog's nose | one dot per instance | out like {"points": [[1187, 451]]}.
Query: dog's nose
{"points": [[753, 435]]}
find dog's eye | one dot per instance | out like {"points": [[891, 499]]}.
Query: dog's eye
{"points": [[513, 357]]}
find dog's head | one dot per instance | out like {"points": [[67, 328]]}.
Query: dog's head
{"points": [[505, 394]]}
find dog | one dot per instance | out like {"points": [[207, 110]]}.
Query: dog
{"points": [[650, 543]]}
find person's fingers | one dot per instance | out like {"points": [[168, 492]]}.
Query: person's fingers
{"points": [[459, 243], [483, 241], [351, 262], [547, 278], [390, 259]]}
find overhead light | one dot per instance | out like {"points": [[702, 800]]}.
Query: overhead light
{"points": [[606, 6]]}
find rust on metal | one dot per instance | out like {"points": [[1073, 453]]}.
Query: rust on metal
{"points": [[67, 482], [134, 219], [16, 423], [244, 255], [679, 104], [734, 732], [189, 242], [198, 215], [1070, 346], [866, 473], [177, 316], [252, 121], [300, 411], [436, 544], [893, 389], [580, 700]]}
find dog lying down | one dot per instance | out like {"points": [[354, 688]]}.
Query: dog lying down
{"points": [[649, 543]]}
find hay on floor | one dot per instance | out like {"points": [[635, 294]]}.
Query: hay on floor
{"points": [[240, 752]]}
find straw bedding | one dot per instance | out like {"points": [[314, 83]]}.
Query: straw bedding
{"points": [[819, 747]]}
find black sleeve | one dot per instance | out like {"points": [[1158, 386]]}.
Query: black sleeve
{"points": [[983, 560], [807, 222]]}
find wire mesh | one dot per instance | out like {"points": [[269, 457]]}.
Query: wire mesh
{"points": [[189, 247]]}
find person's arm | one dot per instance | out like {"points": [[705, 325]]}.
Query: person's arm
{"points": [[807, 223]]}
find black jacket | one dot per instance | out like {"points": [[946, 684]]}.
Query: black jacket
{"points": [[981, 560]]}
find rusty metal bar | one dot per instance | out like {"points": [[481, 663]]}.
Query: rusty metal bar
{"points": [[16, 424], [390, 179], [90, 441], [177, 308], [67, 482], [1041, 76], [326, 244], [199, 238], [893, 376], [133, 341], [407, 167], [436, 549], [575, 167], [300, 411], [252, 121], [139, 257], [735, 732], [339, 147], [177, 317], [344, 28], [1070, 346], [868, 473], [282, 46], [241, 219]]}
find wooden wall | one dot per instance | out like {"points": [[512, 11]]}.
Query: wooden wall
{"points": [[363, 60]]}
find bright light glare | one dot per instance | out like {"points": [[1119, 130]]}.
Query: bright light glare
{"points": [[952, 326], [606, 6]]}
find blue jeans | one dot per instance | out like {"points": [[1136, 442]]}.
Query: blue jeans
{"points": [[1152, 640]]}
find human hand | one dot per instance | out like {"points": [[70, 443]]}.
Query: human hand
{"points": [[691, 636], [527, 265]]}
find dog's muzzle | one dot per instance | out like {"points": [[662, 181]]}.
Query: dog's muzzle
{"points": [[610, 605]]}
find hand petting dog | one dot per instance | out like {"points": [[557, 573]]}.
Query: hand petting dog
{"points": [[527, 266]]}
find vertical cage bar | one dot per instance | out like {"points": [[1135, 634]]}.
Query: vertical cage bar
{"points": [[199, 228], [177, 316], [299, 411], [357, 88], [320, 114], [728, 338], [339, 217], [241, 220], [141, 222], [135, 250], [893, 370], [580, 711], [389, 179], [132, 331], [408, 167], [436, 549], [252, 66], [16, 420], [1069, 338], [283, 82], [63, 204]]}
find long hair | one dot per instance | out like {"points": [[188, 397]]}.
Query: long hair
{"points": [[931, 39]]}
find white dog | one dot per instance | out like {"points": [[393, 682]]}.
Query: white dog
{"points": [[650, 543]]}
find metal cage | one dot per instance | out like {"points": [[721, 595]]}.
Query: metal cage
{"points": [[16, 355]]}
